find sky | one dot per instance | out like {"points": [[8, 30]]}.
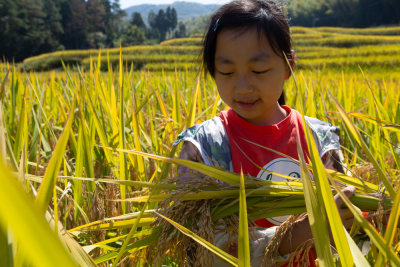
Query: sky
{"points": [[128, 3]]}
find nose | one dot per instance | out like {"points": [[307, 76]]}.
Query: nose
{"points": [[243, 84]]}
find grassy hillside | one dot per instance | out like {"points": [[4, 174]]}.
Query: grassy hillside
{"points": [[315, 48]]}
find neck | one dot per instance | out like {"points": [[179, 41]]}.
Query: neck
{"points": [[276, 115]]}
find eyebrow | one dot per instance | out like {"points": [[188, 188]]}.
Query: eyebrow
{"points": [[256, 58], [260, 57], [223, 60]]}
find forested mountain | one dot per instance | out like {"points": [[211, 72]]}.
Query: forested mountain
{"points": [[344, 13], [184, 9], [340, 13], [32, 27]]}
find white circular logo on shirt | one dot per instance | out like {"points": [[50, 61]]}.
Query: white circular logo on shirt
{"points": [[282, 166]]}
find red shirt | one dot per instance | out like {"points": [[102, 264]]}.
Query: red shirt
{"points": [[281, 137], [250, 158]]}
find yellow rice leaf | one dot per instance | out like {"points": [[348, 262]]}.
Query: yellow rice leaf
{"points": [[356, 135], [391, 228], [135, 127], [376, 238], [96, 226], [140, 244], [211, 171], [220, 253], [191, 119], [243, 238], [133, 230], [392, 127], [359, 259], [360, 184], [325, 194], [121, 134], [20, 137], [367, 117], [217, 194], [28, 225], [78, 172], [316, 215], [108, 181], [50, 176]]}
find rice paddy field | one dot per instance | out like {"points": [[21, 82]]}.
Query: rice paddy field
{"points": [[88, 169]]}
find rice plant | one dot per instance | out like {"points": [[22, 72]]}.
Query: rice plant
{"points": [[89, 169]]}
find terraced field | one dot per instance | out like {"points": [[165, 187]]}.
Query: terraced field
{"points": [[338, 48], [88, 168]]}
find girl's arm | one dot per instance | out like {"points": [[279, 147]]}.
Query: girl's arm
{"points": [[301, 230], [189, 152], [333, 160]]}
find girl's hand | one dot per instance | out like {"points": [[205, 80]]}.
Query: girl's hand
{"points": [[345, 214]]}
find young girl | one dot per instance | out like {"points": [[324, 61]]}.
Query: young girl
{"points": [[245, 51]]}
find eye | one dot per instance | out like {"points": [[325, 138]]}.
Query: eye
{"points": [[225, 73], [260, 72]]}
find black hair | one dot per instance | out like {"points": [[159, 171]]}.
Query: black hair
{"points": [[267, 16]]}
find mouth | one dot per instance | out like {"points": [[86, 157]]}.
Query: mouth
{"points": [[247, 103]]}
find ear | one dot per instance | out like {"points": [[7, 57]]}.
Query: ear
{"points": [[292, 62]]}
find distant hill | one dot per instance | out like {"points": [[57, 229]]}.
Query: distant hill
{"points": [[195, 26], [185, 10]]}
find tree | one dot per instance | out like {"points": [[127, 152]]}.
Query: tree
{"points": [[163, 22], [181, 31], [37, 37], [172, 18], [95, 16], [77, 27], [11, 27], [137, 20], [113, 21], [153, 32], [53, 22], [133, 36]]}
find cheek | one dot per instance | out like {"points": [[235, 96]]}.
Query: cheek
{"points": [[224, 92]]}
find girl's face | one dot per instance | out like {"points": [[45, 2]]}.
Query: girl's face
{"points": [[250, 76]]}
